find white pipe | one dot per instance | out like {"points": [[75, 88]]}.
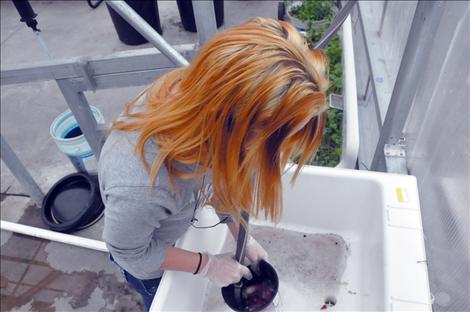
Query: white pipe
{"points": [[53, 236], [350, 146]]}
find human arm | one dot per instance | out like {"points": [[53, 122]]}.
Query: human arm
{"points": [[221, 269], [177, 259], [128, 232]]}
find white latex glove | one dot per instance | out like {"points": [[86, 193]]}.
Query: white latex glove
{"points": [[254, 251], [224, 270]]}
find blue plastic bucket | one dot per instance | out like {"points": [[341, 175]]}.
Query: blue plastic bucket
{"points": [[68, 136]]}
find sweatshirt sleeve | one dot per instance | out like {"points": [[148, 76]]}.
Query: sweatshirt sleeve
{"points": [[131, 216]]}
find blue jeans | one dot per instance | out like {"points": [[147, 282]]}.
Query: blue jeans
{"points": [[146, 288]]}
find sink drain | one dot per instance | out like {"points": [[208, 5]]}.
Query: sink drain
{"points": [[330, 301]]}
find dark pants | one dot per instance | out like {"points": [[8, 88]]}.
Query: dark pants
{"points": [[146, 288]]}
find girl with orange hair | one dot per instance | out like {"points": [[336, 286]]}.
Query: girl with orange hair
{"points": [[252, 98]]}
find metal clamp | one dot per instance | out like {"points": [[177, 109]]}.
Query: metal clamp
{"points": [[84, 70], [395, 157], [336, 101]]}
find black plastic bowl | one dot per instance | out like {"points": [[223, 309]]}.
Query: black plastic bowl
{"points": [[73, 203], [255, 294]]}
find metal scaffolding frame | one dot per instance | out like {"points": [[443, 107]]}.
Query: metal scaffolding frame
{"points": [[415, 57], [132, 68], [139, 67], [77, 75], [122, 69]]}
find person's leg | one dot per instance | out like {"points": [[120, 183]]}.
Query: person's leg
{"points": [[146, 288]]}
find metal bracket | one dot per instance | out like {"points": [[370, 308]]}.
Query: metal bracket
{"points": [[395, 157], [83, 69], [336, 101]]}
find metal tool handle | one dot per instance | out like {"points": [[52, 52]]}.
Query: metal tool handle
{"points": [[335, 24], [242, 237]]}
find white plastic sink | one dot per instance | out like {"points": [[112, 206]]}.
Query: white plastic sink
{"points": [[377, 214]]}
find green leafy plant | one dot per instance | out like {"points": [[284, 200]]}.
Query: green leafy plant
{"points": [[313, 11]]}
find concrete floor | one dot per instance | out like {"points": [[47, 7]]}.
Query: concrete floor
{"points": [[38, 275]]}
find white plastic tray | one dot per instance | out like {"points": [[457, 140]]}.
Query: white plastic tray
{"points": [[378, 215]]}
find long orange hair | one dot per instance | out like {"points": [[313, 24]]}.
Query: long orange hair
{"points": [[252, 98]]}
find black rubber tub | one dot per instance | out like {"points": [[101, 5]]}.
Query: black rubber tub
{"points": [[73, 203]]}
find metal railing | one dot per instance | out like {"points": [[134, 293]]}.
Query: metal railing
{"points": [[74, 77], [415, 57], [135, 68]]}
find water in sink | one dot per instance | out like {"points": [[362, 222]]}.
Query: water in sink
{"points": [[309, 266]]}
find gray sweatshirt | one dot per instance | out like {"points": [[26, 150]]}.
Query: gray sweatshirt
{"points": [[138, 221]]}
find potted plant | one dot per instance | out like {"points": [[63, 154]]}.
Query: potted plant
{"points": [[308, 14], [312, 17]]}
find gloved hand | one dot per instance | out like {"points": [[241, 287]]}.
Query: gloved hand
{"points": [[224, 270], [254, 251]]}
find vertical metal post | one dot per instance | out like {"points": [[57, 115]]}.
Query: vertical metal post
{"points": [[415, 58], [147, 31], [78, 104], [382, 18], [19, 171], [204, 15]]}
